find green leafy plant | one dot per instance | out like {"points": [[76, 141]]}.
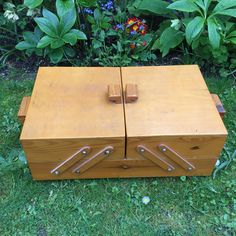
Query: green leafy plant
{"points": [[202, 23], [58, 33]]}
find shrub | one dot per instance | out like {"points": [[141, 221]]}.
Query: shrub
{"points": [[122, 32]]}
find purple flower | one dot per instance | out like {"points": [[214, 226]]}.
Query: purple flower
{"points": [[119, 27], [133, 32], [88, 11]]}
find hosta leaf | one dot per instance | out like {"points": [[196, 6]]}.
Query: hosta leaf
{"points": [[45, 41], [79, 34], [63, 6], [228, 12], [213, 33], [184, 5], [224, 4], [158, 7], [170, 38], [233, 40], [57, 43], [30, 37], [70, 38], [194, 28], [32, 3], [232, 34], [24, 45], [46, 26], [52, 18], [67, 21], [56, 55]]}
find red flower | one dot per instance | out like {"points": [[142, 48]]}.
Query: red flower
{"points": [[135, 25]]}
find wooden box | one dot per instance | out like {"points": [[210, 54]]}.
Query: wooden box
{"points": [[121, 122]]}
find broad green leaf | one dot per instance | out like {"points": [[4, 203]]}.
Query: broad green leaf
{"points": [[67, 21], [79, 34], [46, 26], [57, 43], [233, 40], [56, 55], [24, 45], [52, 18], [30, 37], [170, 38], [228, 12], [45, 41], [204, 4], [38, 33], [224, 4], [70, 52], [158, 7], [32, 3], [156, 44], [194, 28], [63, 6], [232, 34], [214, 35], [87, 3], [184, 5], [70, 38]]}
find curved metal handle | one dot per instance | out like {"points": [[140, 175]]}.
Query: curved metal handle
{"points": [[131, 93], [114, 93]]}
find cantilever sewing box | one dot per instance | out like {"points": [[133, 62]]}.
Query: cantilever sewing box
{"points": [[94, 122]]}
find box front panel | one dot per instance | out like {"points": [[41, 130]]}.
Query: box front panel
{"points": [[176, 156], [71, 159]]}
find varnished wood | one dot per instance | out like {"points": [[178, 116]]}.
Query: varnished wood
{"points": [[219, 105], [154, 157], [70, 109], [71, 102], [131, 93], [95, 159], [176, 157], [173, 100], [114, 93], [126, 168], [23, 109], [73, 159]]}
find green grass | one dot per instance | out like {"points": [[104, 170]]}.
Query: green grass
{"points": [[195, 206]]}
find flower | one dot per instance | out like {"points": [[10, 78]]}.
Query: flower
{"points": [[88, 11], [119, 27], [146, 200], [11, 15], [108, 6], [135, 26]]}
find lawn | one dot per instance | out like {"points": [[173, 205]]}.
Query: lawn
{"points": [[178, 206]]}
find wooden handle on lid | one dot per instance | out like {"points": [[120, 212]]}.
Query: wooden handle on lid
{"points": [[114, 93], [131, 93]]}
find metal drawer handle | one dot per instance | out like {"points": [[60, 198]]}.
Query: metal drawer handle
{"points": [[77, 156], [174, 156], [95, 159]]}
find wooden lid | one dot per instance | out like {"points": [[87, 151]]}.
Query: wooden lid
{"points": [[70, 102], [173, 101]]}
